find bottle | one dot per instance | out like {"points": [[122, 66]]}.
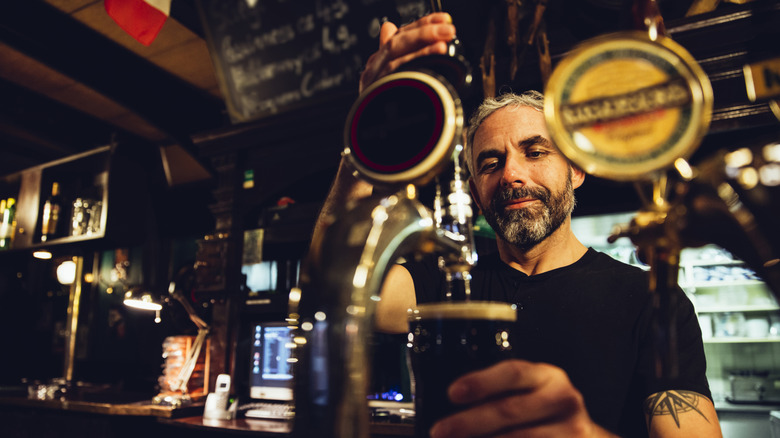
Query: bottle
{"points": [[3, 243], [52, 209], [7, 223]]}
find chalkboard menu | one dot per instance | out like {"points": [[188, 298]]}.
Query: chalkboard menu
{"points": [[275, 55]]}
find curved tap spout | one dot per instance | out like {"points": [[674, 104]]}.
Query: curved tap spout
{"points": [[340, 283]]}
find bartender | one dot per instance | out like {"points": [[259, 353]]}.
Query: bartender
{"points": [[586, 359]]}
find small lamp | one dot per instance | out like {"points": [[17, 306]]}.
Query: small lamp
{"points": [[138, 298], [180, 383]]}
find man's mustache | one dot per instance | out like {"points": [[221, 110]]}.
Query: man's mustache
{"points": [[510, 193]]}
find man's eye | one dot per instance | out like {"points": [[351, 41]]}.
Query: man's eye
{"points": [[488, 167], [536, 154]]}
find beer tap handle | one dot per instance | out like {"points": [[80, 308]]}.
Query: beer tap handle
{"points": [[532, 36], [488, 60], [543, 50], [512, 18], [701, 7], [541, 6]]}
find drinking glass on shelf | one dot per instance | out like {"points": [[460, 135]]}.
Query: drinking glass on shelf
{"points": [[79, 217], [95, 212], [730, 324], [85, 217]]}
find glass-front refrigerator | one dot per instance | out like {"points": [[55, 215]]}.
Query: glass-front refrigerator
{"points": [[738, 315]]}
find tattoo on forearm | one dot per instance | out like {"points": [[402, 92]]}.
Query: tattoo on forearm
{"points": [[672, 403]]}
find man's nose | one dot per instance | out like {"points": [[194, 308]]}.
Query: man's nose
{"points": [[514, 174]]}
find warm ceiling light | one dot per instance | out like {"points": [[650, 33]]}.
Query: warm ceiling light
{"points": [[66, 272], [43, 255]]}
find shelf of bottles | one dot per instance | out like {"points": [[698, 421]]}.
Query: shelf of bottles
{"points": [[73, 209], [9, 199], [7, 222], [59, 202]]}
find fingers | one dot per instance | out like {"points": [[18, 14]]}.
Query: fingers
{"points": [[516, 396], [416, 36], [426, 36], [434, 19], [393, 65], [508, 375], [387, 30]]}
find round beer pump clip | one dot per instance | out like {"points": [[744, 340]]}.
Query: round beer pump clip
{"points": [[404, 128], [625, 107]]}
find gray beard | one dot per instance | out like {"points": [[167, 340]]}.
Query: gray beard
{"points": [[527, 227]]}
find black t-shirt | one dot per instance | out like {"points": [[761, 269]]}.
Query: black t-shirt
{"points": [[592, 319]]}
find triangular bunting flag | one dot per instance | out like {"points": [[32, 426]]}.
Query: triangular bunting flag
{"points": [[142, 19]]}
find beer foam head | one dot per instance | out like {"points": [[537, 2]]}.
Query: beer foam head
{"points": [[484, 310]]}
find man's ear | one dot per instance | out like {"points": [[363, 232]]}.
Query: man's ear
{"points": [[475, 194], [577, 176]]}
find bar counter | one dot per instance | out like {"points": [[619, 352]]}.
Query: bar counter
{"points": [[138, 408], [258, 427], [112, 415], [121, 418]]}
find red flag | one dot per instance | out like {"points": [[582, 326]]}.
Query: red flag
{"points": [[142, 19]]}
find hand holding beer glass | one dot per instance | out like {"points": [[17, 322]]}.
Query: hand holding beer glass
{"points": [[449, 340]]}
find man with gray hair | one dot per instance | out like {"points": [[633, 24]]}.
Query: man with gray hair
{"points": [[516, 226], [585, 363]]}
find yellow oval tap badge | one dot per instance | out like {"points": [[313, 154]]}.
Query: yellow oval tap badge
{"points": [[623, 106]]}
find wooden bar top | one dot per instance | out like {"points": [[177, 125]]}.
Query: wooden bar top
{"points": [[277, 427], [187, 417], [138, 408]]}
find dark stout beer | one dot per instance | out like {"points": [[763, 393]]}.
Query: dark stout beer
{"points": [[449, 340]]}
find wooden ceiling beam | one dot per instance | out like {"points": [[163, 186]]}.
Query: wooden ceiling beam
{"points": [[66, 45]]}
